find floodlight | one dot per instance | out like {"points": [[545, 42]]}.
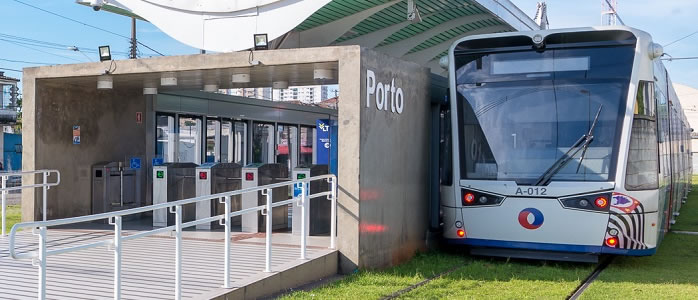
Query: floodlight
{"points": [[104, 53], [261, 42]]}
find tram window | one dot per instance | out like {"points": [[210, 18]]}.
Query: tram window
{"points": [[189, 135], [164, 137], [642, 167], [240, 148], [445, 153], [213, 140], [227, 142], [263, 143], [286, 145], [306, 146]]}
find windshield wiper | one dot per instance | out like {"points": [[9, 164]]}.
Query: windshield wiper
{"points": [[581, 144]]}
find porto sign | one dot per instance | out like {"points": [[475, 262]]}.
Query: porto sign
{"points": [[386, 95]]}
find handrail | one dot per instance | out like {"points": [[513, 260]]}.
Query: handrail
{"points": [[45, 185], [40, 227]]}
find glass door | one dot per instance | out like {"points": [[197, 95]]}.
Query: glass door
{"points": [[240, 146], [165, 137], [189, 139], [213, 140], [262, 143], [307, 141], [287, 146]]}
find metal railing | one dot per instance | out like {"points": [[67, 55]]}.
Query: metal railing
{"points": [[45, 185], [115, 218]]}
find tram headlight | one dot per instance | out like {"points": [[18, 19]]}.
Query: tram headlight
{"points": [[593, 202], [612, 241], [583, 203], [476, 198]]}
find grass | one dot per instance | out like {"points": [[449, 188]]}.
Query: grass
{"points": [[478, 278], [672, 273], [13, 215]]}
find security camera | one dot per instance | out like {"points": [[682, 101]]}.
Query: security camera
{"points": [[96, 4]]}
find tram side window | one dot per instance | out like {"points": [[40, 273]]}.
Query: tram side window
{"points": [[642, 167], [445, 147]]}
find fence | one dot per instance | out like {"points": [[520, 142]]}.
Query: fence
{"points": [[45, 185]]}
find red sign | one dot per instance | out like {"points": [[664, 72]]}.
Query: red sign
{"points": [[139, 117]]}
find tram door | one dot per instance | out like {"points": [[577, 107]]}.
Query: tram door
{"points": [[262, 143], [286, 146]]}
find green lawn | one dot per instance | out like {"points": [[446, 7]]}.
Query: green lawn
{"points": [[13, 216], [479, 278], [688, 220]]}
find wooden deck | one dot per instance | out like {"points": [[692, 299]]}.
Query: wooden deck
{"points": [[147, 264]]}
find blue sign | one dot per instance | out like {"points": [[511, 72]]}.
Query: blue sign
{"points": [[323, 142], [297, 190], [135, 162], [158, 161]]}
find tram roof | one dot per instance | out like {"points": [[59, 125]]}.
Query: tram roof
{"points": [[383, 25]]}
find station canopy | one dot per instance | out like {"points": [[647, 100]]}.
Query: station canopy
{"points": [[415, 30]]}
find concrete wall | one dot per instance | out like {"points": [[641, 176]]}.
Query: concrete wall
{"points": [[109, 132]]}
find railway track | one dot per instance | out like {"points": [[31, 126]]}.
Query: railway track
{"points": [[587, 281]]}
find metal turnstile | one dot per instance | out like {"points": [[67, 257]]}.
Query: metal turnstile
{"points": [[172, 182], [318, 222], [115, 187], [258, 175], [214, 178]]}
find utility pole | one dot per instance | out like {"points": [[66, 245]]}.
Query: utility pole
{"points": [[134, 43], [609, 13]]}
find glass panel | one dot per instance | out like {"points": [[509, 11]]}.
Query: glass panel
{"points": [[641, 172], [307, 138], [515, 127], [286, 149], [227, 142], [213, 140], [190, 139], [262, 143], [240, 143], [164, 137], [644, 101]]}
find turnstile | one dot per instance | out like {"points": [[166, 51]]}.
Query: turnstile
{"points": [[214, 178], [258, 175], [115, 187], [172, 182], [318, 210]]}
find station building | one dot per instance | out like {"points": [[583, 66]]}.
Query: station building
{"points": [[158, 111]]}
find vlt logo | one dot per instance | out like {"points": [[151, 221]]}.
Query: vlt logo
{"points": [[531, 218]]}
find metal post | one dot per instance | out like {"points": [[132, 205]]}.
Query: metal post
{"points": [[333, 218], [304, 215], [226, 269], [4, 203], [44, 194], [41, 263], [117, 257], [267, 264], [178, 252]]}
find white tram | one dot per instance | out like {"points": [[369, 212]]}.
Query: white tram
{"points": [[563, 144]]}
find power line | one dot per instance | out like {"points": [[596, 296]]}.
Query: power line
{"points": [[681, 39], [88, 25], [52, 45], [680, 58], [54, 54], [25, 62], [11, 69]]}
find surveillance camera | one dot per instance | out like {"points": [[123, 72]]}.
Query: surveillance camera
{"points": [[96, 4]]}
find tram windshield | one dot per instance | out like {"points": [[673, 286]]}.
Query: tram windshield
{"points": [[519, 112]]}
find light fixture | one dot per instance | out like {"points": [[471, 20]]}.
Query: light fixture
{"points": [[279, 85], [261, 41], [104, 53], [413, 12], [241, 76], [150, 91], [168, 79], [105, 82], [323, 74], [211, 88]]}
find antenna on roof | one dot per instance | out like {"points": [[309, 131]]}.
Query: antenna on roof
{"points": [[609, 13], [541, 17]]}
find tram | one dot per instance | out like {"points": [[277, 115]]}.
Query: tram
{"points": [[561, 144]]}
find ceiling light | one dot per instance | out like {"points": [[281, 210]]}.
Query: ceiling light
{"points": [[261, 41], [104, 53], [168, 79], [105, 82], [323, 74], [241, 77], [211, 88], [150, 91], [280, 85]]}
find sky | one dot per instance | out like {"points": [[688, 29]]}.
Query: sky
{"points": [[665, 20]]}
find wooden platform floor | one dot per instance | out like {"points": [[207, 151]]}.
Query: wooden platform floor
{"points": [[147, 264]]}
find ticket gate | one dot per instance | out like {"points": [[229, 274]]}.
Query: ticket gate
{"points": [[214, 178], [115, 187], [318, 210], [259, 175], [172, 182]]}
